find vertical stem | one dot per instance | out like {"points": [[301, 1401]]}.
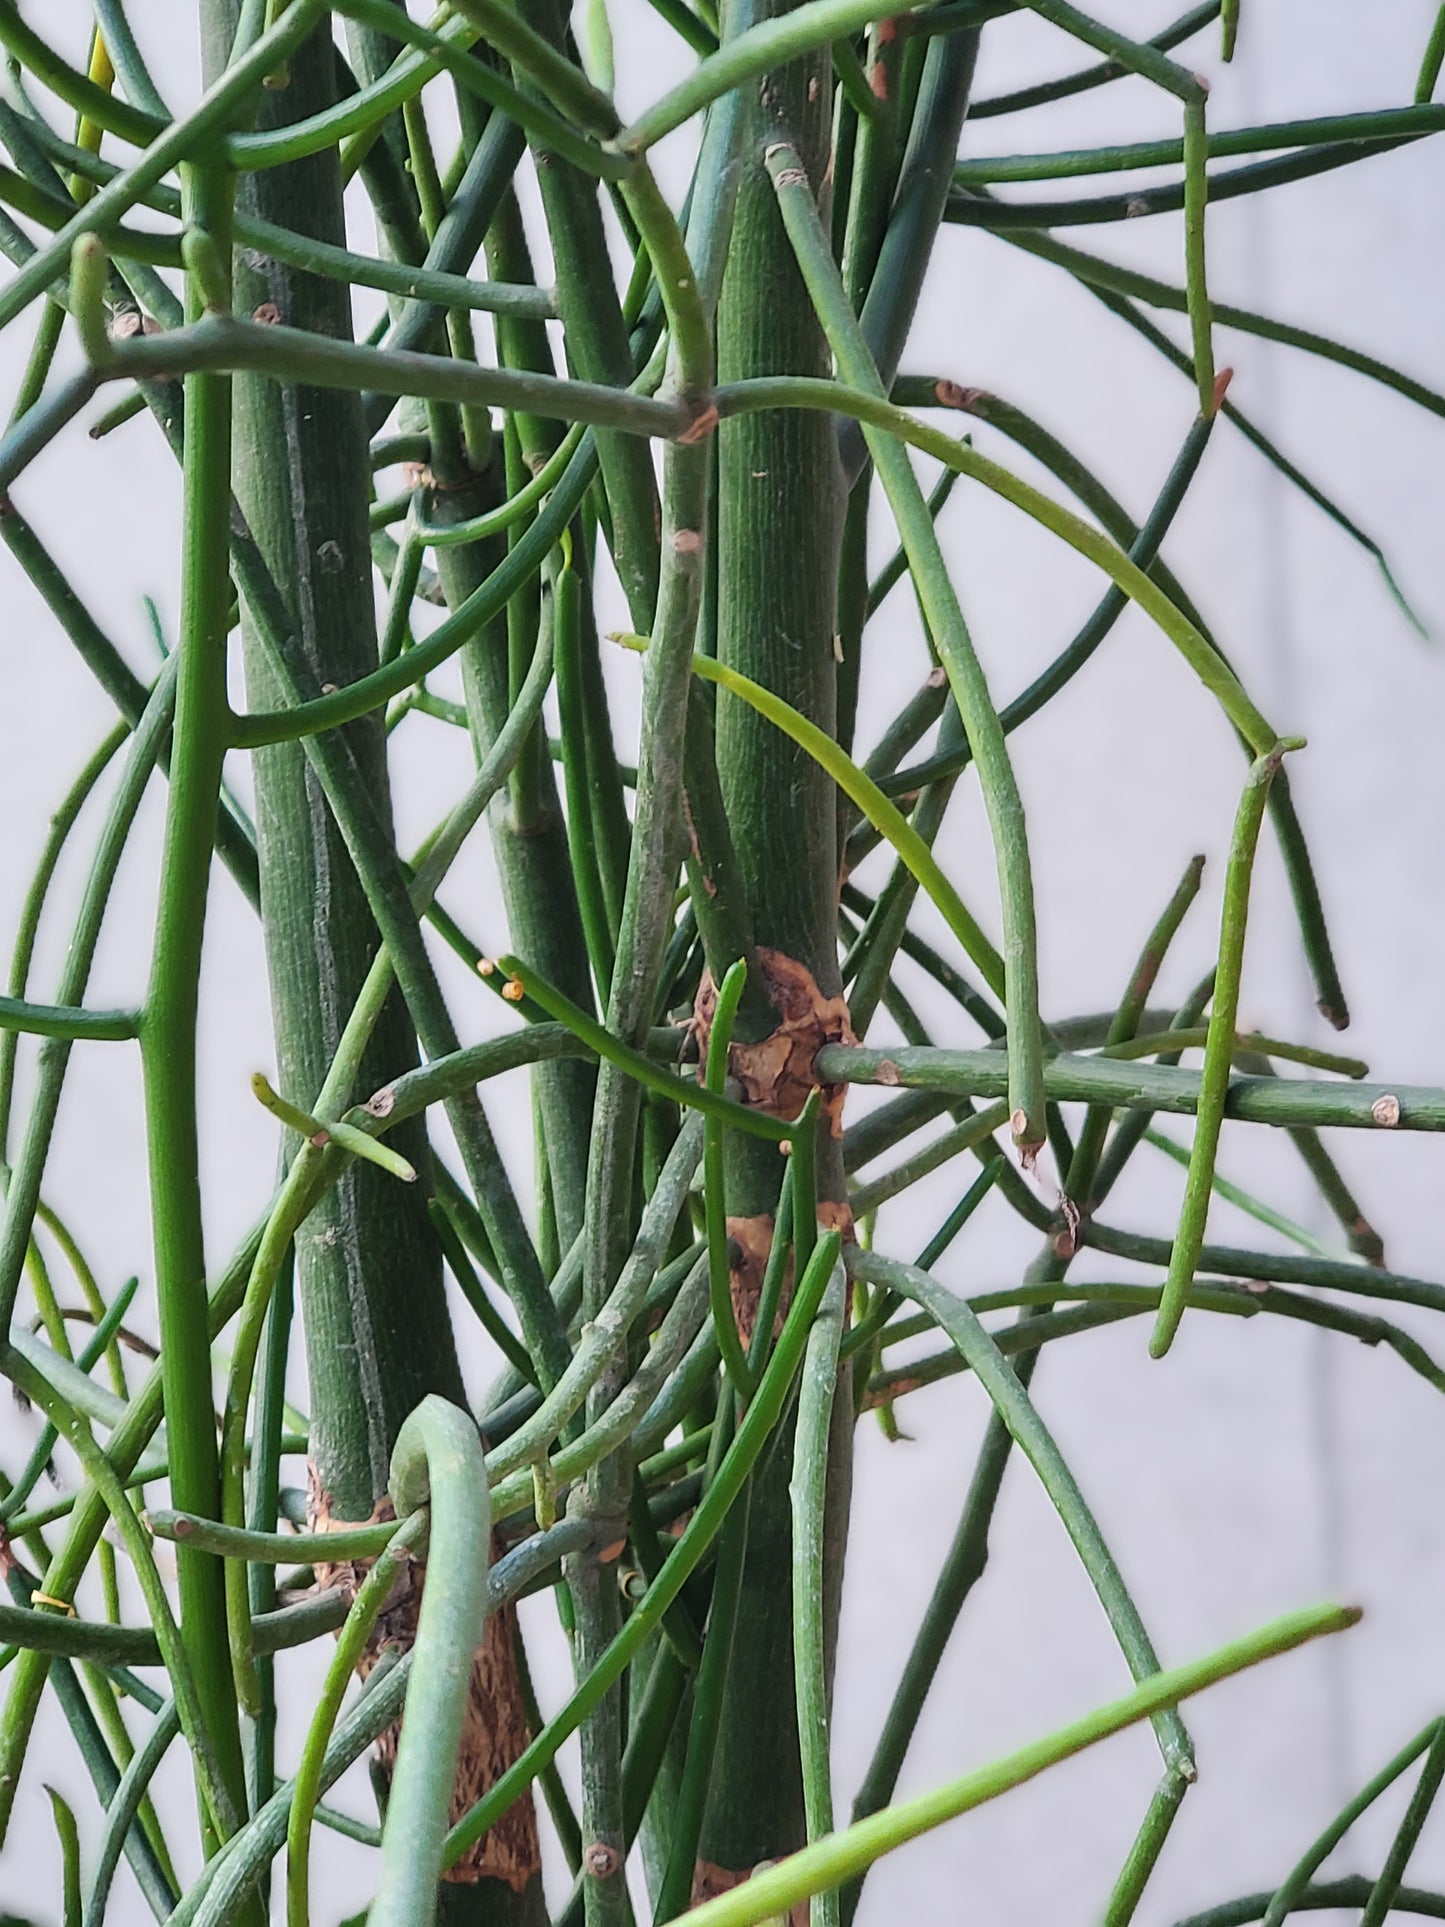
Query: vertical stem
{"points": [[810, 1631], [780, 503], [1218, 1050], [807, 232], [368, 1267], [368, 1272], [168, 1037]]}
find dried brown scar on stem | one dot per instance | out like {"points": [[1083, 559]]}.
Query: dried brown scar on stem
{"points": [[709, 1880], [776, 1072], [749, 1242], [494, 1731], [700, 427], [972, 401]]}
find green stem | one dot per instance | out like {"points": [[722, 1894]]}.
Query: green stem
{"points": [[1144, 1087], [1218, 1051], [1383, 1894], [55, 1020], [811, 1634], [757, 1426], [224, 102], [950, 633], [1432, 59], [204, 1733], [1320, 131], [1184, 28], [368, 1603], [1288, 1895], [437, 1462], [724, 1320], [288, 354], [168, 1036], [123, 1806], [774, 42]]}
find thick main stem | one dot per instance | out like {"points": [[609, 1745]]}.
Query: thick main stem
{"points": [[779, 525], [368, 1268]]}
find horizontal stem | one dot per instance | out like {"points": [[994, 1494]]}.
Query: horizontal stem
{"points": [[1235, 140], [222, 343], [1144, 1087], [757, 50], [1246, 1043], [110, 1645], [62, 1020]]}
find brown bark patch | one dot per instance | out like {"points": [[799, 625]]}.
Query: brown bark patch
{"points": [[836, 1214], [749, 1242], [776, 1073], [710, 1880], [494, 1731]]}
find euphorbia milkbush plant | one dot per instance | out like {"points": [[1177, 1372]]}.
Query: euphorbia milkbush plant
{"points": [[684, 1301]]}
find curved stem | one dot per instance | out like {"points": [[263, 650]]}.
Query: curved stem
{"points": [[406, 1539], [437, 1462]]}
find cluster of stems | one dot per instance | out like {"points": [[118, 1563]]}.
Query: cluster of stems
{"points": [[689, 1302]]}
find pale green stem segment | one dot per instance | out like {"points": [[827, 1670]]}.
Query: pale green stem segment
{"points": [[446, 535], [1011, 1401], [298, 1196], [808, 1493], [221, 343], [607, 1331], [271, 1548], [813, 248], [719, 1269], [1388, 123], [359, 1143], [757, 50], [1229, 23], [407, 1539], [1157, 1043], [68, 1834], [769, 1894], [1196, 197], [169, 1030], [437, 1461], [1218, 1049], [1308, 1101]]}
